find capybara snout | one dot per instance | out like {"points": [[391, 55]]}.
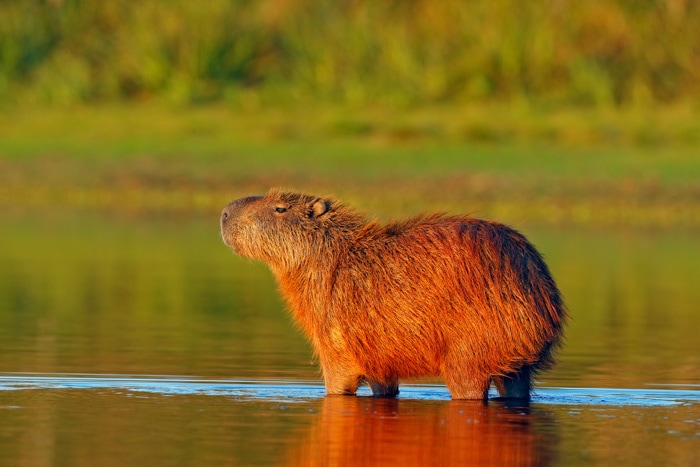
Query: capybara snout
{"points": [[468, 299], [233, 222], [235, 208]]}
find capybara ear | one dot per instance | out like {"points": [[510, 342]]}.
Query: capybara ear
{"points": [[319, 207]]}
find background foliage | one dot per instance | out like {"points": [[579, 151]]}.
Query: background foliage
{"points": [[556, 111], [549, 52]]}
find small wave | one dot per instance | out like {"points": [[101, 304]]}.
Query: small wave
{"points": [[291, 391]]}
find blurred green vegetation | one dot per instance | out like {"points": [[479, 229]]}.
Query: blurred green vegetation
{"points": [[603, 53], [147, 160], [545, 111]]}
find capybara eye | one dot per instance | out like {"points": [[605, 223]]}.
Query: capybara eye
{"points": [[280, 209]]}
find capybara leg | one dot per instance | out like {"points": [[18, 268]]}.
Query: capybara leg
{"points": [[342, 388], [384, 389], [339, 383], [515, 385], [463, 378], [472, 387], [340, 375]]}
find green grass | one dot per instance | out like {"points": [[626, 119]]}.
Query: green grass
{"points": [[595, 54], [147, 159]]}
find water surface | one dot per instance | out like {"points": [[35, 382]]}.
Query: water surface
{"points": [[144, 341]]}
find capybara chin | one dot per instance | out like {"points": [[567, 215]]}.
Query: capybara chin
{"points": [[464, 298]]}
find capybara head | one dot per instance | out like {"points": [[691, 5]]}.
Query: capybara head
{"points": [[284, 229]]}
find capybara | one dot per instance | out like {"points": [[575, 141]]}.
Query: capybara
{"points": [[451, 295]]}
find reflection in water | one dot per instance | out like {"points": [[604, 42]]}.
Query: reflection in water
{"points": [[371, 431], [124, 420]]}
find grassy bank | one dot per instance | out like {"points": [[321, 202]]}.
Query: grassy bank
{"points": [[151, 160]]}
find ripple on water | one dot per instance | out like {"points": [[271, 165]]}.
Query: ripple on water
{"points": [[290, 391]]}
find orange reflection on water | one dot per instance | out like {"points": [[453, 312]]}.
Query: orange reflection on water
{"points": [[368, 431]]}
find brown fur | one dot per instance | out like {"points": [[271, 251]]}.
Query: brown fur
{"points": [[464, 298]]}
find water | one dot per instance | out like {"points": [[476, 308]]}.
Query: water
{"points": [[145, 342]]}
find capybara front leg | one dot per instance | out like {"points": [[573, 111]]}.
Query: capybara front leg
{"points": [[384, 389], [515, 385]]}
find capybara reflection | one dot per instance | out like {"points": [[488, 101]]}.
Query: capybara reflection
{"points": [[464, 298], [369, 431]]}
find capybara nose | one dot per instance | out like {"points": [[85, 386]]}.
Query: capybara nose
{"points": [[225, 214], [234, 207]]}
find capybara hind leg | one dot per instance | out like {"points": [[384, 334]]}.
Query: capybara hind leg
{"points": [[384, 389], [339, 382], [515, 385], [342, 387], [475, 388]]}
